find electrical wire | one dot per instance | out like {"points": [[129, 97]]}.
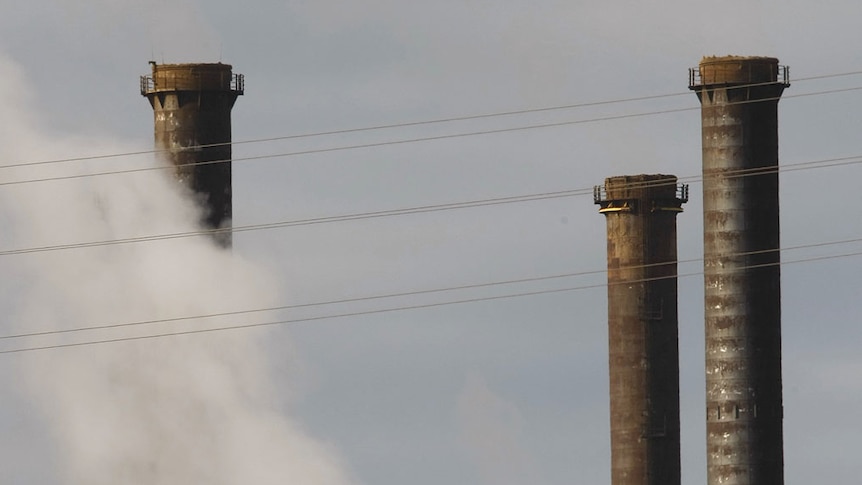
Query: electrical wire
{"points": [[418, 292], [398, 142], [343, 148], [422, 122], [391, 309], [809, 165], [835, 162]]}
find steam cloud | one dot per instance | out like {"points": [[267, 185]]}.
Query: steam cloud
{"points": [[184, 409]]}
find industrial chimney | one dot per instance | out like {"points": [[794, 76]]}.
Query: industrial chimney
{"points": [[642, 326], [191, 105], [739, 113]]}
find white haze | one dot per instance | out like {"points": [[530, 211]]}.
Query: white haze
{"points": [[185, 409]]}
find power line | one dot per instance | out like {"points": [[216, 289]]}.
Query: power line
{"points": [[347, 147], [398, 142], [390, 310], [425, 122], [800, 166], [417, 292], [405, 141], [809, 165], [305, 222], [352, 130]]}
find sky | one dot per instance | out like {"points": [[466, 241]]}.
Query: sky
{"points": [[495, 391]]}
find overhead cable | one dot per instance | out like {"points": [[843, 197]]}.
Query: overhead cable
{"points": [[446, 120], [419, 292], [388, 310], [809, 165], [394, 142]]}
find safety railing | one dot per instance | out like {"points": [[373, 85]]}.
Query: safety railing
{"points": [[682, 192], [238, 83], [782, 77], [600, 193], [148, 85]]}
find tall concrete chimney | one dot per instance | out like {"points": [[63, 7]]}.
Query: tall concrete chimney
{"points": [[739, 112], [191, 106], [642, 326]]}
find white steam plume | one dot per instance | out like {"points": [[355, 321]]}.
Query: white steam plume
{"points": [[190, 409]]}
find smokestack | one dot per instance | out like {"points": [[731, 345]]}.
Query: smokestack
{"points": [[642, 326], [191, 106], [739, 112]]}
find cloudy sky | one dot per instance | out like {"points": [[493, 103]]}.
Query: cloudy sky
{"points": [[495, 391]]}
